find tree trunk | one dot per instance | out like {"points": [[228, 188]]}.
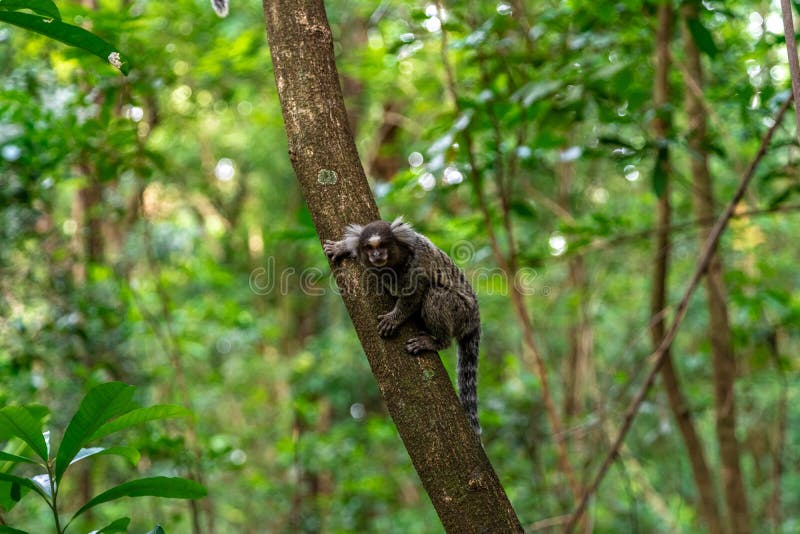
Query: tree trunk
{"points": [[578, 369], [658, 301], [91, 197], [723, 358], [445, 451]]}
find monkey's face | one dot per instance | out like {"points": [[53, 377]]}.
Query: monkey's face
{"points": [[378, 248], [375, 252]]}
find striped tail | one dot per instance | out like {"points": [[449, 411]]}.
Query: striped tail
{"points": [[467, 372]]}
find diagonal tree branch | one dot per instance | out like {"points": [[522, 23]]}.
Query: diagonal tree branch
{"points": [[660, 354], [446, 453]]}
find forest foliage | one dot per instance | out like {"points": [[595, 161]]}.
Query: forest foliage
{"points": [[152, 232]]}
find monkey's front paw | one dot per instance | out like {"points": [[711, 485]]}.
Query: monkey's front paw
{"points": [[331, 250], [418, 345], [387, 324]]}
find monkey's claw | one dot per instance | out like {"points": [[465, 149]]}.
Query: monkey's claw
{"points": [[386, 324], [330, 249], [418, 345]]}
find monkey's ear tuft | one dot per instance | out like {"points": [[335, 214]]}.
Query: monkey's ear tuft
{"points": [[352, 234], [353, 230], [220, 7], [403, 231]]}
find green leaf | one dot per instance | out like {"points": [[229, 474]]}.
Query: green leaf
{"points": [[38, 411], [784, 195], [169, 487], [68, 34], [8, 457], [10, 494], [120, 525], [129, 453], [24, 482], [85, 453], [157, 530], [660, 172], [42, 7], [616, 141], [702, 37], [16, 492], [8, 530], [523, 208], [535, 91], [43, 482], [101, 404], [138, 416], [18, 422], [607, 71]]}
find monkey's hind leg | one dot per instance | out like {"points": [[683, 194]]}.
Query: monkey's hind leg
{"points": [[425, 342], [437, 319]]}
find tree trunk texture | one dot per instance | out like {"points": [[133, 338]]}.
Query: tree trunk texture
{"points": [[723, 357], [447, 455], [662, 124]]}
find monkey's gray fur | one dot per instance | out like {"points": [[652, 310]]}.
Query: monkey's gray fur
{"points": [[428, 286]]}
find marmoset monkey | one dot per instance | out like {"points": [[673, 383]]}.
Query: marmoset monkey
{"points": [[428, 285]]}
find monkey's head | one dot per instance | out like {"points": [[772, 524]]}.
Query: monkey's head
{"points": [[383, 245]]}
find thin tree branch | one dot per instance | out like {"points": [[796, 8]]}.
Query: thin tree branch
{"points": [[548, 523], [659, 355], [791, 52], [603, 244]]}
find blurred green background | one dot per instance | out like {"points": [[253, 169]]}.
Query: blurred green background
{"points": [[151, 231]]}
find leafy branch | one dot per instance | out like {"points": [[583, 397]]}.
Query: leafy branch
{"points": [[107, 408], [46, 20]]}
